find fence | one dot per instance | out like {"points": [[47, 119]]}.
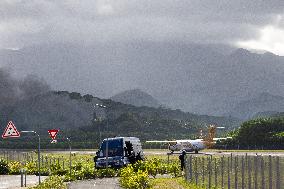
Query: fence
{"points": [[31, 156], [236, 172], [47, 161]]}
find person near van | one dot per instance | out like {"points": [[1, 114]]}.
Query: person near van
{"points": [[182, 158]]}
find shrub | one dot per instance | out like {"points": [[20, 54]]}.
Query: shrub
{"points": [[4, 169], [130, 179], [31, 168], [56, 169], [14, 167], [54, 182]]}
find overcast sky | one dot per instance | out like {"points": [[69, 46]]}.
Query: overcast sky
{"points": [[252, 24]]}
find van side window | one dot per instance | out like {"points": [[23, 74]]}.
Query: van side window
{"points": [[128, 148]]}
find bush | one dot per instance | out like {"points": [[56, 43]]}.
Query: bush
{"points": [[130, 179], [14, 167], [56, 169], [31, 168], [54, 182], [4, 169]]}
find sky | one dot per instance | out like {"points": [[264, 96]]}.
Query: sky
{"points": [[254, 24]]}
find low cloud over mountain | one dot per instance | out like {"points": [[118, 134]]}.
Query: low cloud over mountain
{"points": [[196, 78]]}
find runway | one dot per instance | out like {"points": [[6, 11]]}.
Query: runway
{"points": [[279, 153]]}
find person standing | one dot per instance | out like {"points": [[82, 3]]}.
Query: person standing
{"points": [[182, 158]]}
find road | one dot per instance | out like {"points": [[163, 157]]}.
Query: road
{"points": [[104, 183], [221, 153]]}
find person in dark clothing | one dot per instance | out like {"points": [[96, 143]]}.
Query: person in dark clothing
{"points": [[181, 158]]}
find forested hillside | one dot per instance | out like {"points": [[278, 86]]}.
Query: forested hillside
{"points": [[79, 118]]}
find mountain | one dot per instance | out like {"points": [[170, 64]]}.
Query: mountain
{"points": [[136, 97], [267, 114], [78, 117], [194, 78], [264, 104]]}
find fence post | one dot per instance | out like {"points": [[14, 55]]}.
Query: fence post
{"points": [[63, 165], [262, 173], [7, 156], [195, 169], [209, 172], [278, 180], [231, 162], [216, 172], [190, 168], [270, 172], [203, 171], [255, 172], [249, 172], [229, 169], [25, 177], [243, 173], [22, 178], [42, 160], [236, 172], [168, 158], [222, 172]]}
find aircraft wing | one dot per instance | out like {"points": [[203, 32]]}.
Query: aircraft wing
{"points": [[161, 141], [215, 139]]}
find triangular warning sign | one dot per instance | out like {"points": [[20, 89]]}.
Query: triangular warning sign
{"points": [[11, 131], [53, 133]]}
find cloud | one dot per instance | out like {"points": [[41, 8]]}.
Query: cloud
{"points": [[270, 38], [12, 90], [25, 23]]}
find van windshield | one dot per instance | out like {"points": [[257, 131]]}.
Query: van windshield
{"points": [[115, 148]]}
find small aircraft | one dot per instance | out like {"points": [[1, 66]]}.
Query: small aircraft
{"points": [[193, 145]]}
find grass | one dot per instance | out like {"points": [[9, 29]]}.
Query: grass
{"points": [[172, 183]]}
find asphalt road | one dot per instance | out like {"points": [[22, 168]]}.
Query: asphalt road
{"points": [[221, 153], [104, 183], [165, 151]]}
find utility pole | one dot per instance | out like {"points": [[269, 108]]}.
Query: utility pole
{"points": [[103, 106]]}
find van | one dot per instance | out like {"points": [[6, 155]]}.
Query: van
{"points": [[121, 152]]}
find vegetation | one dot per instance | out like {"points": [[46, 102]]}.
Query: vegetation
{"points": [[4, 169], [54, 182], [57, 167], [263, 133], [172, 183], [138, 176]]}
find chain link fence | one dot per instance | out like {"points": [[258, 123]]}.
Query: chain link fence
{"points": [[235, 172]]}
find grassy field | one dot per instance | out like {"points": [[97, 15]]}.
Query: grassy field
{"points": [[172, 183]]}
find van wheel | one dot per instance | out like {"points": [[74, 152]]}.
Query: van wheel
{"points": [[196, 151]]}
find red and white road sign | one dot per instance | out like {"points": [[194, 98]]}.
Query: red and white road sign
{"points": [[53, 133], [11, 131]]}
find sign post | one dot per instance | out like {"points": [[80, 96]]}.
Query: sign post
{"points": [[37, 153], [70, 154]]}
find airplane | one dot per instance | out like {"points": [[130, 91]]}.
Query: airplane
{"points": [[194, 145]]}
